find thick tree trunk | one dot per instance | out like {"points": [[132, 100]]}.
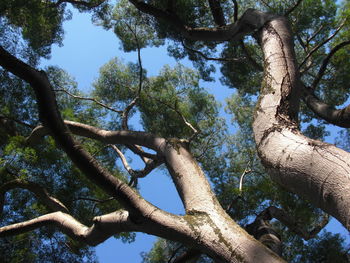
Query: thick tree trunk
{"points": [[212, 230], [312, 169]]}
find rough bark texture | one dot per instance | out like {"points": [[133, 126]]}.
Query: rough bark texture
{"points": [[314, 170]]}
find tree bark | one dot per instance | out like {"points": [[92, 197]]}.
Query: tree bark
{"points": [[314, 170]]}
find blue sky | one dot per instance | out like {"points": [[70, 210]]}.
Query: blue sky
{"points": [[86, 48]]}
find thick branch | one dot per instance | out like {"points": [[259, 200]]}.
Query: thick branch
{"points": [[312, 169], [292, 224], [235, 10], [187, 255], [50, 116], [109, 137], [104, 226], [250, 21], [340, 117], [40, 192], [81, 3], [217, 12], [264, 232]]}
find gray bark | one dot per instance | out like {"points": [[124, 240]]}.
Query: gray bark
{"points": [[314, 170]]}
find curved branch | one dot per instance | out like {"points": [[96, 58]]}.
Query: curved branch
{"points": [[40, 192], [150, 166], [145, 156], [339, 118], [109, 137], [103, 226], [52, 120], [250, 21], [325, 62]]}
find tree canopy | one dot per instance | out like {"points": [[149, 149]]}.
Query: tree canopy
{"points": [[261, 188]]}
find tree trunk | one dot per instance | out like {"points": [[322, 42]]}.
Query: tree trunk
{"points": [[312, 169]]}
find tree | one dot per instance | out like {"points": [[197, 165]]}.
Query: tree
{"points": [[73, 184]]}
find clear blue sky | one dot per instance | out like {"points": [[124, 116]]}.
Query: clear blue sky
{"points": [[86, 48]]}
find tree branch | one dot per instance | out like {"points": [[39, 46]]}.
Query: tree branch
{"points": [[325, 62], [81, 3], [312, 169], [250, 21], [109, 137], [317, 47], [235, 10], [51, 118], [290, 10], [217, 12], [150, 166], [126, 111], [187, 255], [252, 61], [210, 58], [246, 171], [40, 192], [262, 230], [94, 199], [104, 226], [339, 118], [90, 99], [292, 224]]}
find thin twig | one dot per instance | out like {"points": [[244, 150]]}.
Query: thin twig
{"points": [[266, 4], [174, 253], [126, 111], [90, 99], [211, 58], [135, 174], [250, 58], [326, 61], [123, 159], [17, 121], [246, 171], [290, 10], [315, 34], [188, 124], [321, 44], [94, 199]]}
